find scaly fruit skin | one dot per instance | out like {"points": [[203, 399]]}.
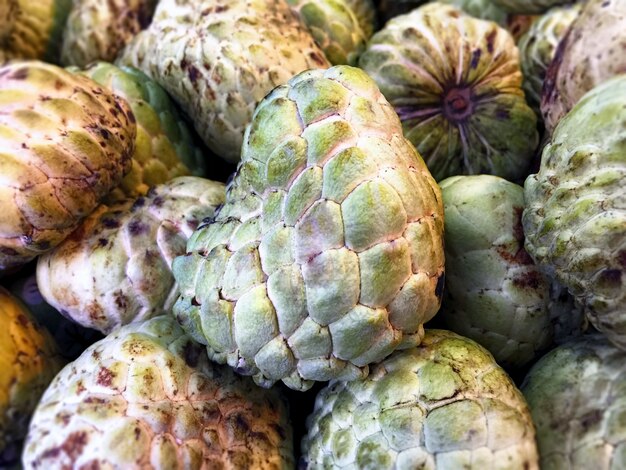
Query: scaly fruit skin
{"points": [[146, 396], [116, 267], [65, 143], [219, 58], [575, 215], [365, 12], [28, 363], [455, 82], [328, 254], [538, 45], [494, 292], [35, 29], [97, 30], [577, 396], [161, 132], [529, 7], [335, 27], [590, 53], [444, 404]]}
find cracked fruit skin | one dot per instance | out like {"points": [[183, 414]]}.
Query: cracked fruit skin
{"points": [[495, 294], [66, 142], [591, 53], [577, 396], [116, 267], [97, 30], [575, 215], [444, 404], [28, 363], [163, 143], [328, 253], [336, 27], [538, 46], [463, 109], [146, 396], [219, 58]]}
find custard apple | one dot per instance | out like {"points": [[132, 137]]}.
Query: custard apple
{"points": [[66, 143], [219, 58], [494, 293], [444, 404], [146, 396], [335, 27], [455, 83], [28, 363], [575, 215], [484, 9], [328, 253], [99, 29], [538, 45], [577, 398], [163, 142], [115, 268], [591, 53], [32, 29]]}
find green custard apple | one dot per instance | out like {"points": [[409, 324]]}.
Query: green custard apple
{"points": [[575, 215], [328, 253], [116, 267], [577, 398], [146, 396], [443, 405], [219, 58], [455, 82]]}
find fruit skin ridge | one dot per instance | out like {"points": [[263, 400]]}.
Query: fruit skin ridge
{"points": [[328, 252]]}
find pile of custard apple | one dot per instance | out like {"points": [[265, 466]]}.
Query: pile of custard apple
{"points": [[313, 234]]}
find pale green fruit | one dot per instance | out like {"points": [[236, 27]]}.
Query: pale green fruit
{"points": [[455, 83], [577, 397], [495, 294], [336, 27], [328, 253], [65, 143], [538, 45], [591, 53], [146, 397], [32, 29], [28, 363], [443, 405], [531, 7], [219, 58], [116, 267], [99, 29], [164, 142], [575, 216]]}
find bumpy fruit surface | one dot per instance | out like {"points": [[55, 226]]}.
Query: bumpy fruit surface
{"points": [[527, 7], [328, 253], [32, 29], [575, 216], [146, 396], [28, 363], [65, 143], [163, 139], [116, 267], [99, 29], [577, 397], [591, 53], [219, 58], [335, 27], [455, 82], [495, 294], [538, 45], [444, 404]]}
